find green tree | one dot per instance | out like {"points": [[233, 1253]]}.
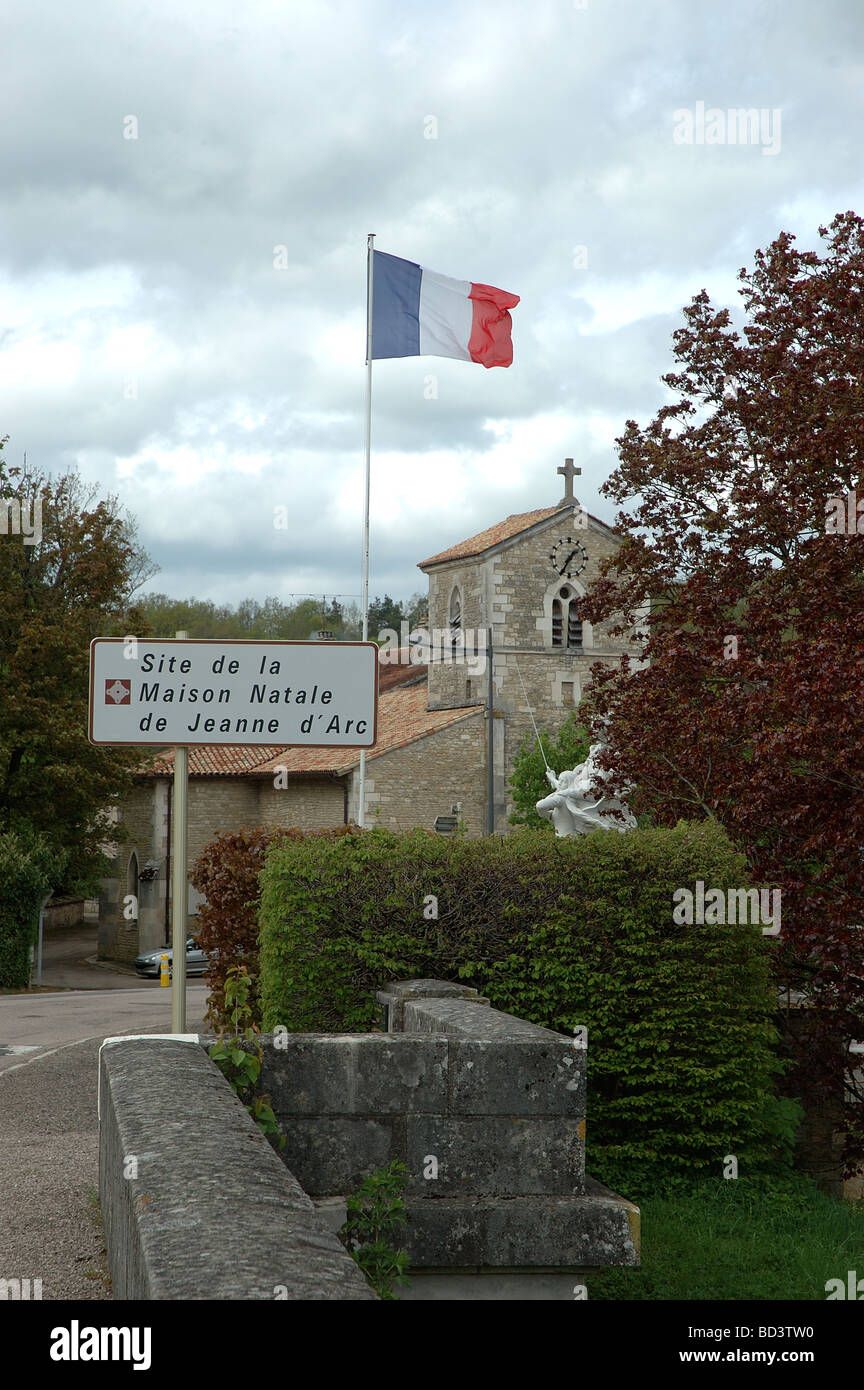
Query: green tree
{"points": [[165, 616], [72, 581], [271, 620], [417, 610], [28, 867], [351, 626], [384, 612], [528, 784]]}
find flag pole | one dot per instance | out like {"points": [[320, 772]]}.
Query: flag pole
{"points": [[364, 587]]}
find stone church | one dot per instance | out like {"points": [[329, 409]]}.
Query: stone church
{"points": [[522, 579]]}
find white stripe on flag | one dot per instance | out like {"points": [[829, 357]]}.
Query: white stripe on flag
{"points": [[446, 316]]}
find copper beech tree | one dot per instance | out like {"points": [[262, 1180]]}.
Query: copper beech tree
{"points": [[742, 571]]}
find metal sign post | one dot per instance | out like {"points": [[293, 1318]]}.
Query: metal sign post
{"points": [[179, 890]]}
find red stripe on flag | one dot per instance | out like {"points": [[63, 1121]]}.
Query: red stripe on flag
{"points": [[490, 343]]}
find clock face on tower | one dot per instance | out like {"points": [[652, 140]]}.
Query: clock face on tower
{"points": [[569, 557]]}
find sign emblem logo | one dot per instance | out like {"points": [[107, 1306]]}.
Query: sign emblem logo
{"points": [[118, 692]]}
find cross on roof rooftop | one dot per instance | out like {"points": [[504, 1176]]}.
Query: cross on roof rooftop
{"points": [[569, 472]]}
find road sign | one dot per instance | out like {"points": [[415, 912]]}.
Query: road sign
{"points": [[207, 691]]}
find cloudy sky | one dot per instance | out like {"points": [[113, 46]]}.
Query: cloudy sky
{"points": [[187, 189]]}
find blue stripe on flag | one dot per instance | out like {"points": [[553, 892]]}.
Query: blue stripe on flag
{"points": [[395, 307]]}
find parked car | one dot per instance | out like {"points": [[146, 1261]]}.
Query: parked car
{"points": [[150, 964]]}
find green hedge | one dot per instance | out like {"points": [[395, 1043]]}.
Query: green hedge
{"points": [[27, 869], [562, 932]]}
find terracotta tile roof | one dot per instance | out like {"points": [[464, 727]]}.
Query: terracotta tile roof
{"points": [[225, 761], [399, 672], [503, 531], [402, 719]]}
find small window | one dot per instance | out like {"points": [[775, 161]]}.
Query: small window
{"points": [[567, 692], [468, 692]]}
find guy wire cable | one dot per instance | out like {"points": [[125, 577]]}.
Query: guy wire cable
{"points": [[531, 712]]}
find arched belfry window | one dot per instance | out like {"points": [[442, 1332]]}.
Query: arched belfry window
{"points": [[566, 623], [556, 623], [456, 616]]}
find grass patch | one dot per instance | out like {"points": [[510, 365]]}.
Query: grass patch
{"points": [[746, 1239]]}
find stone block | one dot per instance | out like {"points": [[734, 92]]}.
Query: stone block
{"points": [[348, 1074], [331, 1154], [493, 1154], [528, 1077], [399, 1074], [592, 1230], [468, 1018]]}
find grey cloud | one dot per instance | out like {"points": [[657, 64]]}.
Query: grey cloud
{"points": [[302, 125]]}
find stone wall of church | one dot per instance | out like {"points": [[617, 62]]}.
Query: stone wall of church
{"points": [[449, 680], [412, 785], [554, 692], [523, 575], [311, 803], [515, 586], [218, 803]]}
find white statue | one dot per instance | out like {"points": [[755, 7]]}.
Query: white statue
{"points": [[574, 809]]}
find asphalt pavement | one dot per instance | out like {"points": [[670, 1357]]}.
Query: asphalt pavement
{"points": [[69, 962], [50, 1223]]}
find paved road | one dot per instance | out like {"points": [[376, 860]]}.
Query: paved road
{"points": [[43, 1022], [69, 961], [65, 952], [50, 1226]]}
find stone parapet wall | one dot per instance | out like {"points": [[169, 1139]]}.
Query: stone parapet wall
{"points": [[487, 1112], [195, 1202]]}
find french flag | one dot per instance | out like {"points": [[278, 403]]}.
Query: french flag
{"points": [[419, 313]]}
